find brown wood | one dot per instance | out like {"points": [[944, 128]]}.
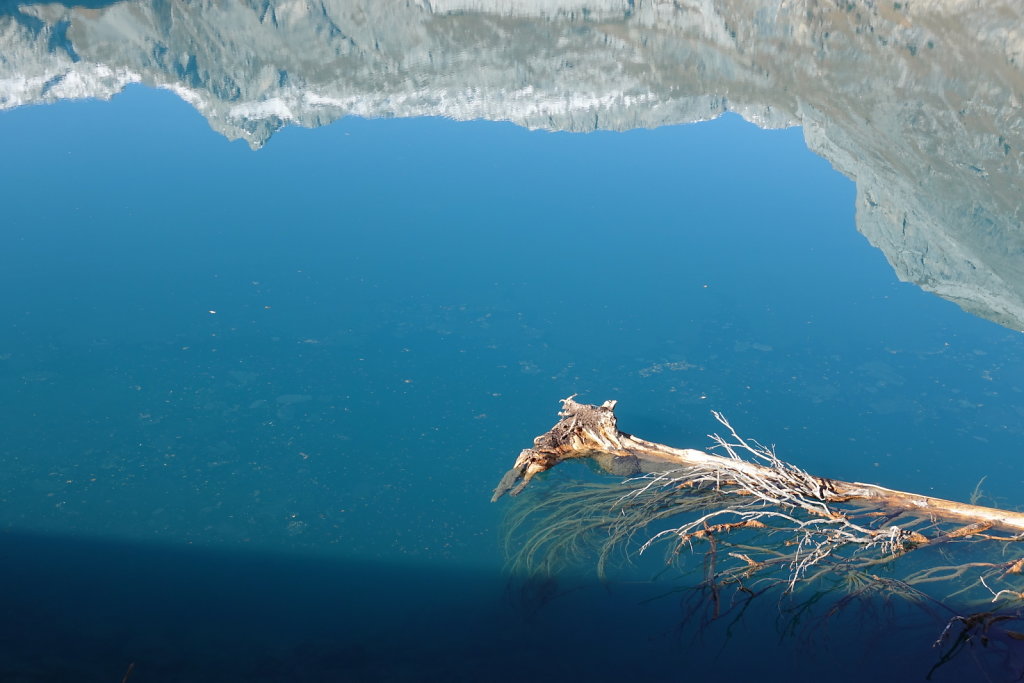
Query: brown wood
{"points": [[591, 431]]}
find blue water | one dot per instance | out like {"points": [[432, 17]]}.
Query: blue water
{"points": [[254, 403]]}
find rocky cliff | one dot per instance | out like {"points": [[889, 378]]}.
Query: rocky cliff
{"points": [[919, 102]]}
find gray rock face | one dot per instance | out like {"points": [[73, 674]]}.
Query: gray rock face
{"points": [[919, 103]]}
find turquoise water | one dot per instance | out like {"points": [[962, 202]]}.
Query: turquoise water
{"points": [[255, 402]]}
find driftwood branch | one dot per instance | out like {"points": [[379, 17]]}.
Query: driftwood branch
{"points": [[591, 431], [766, 524]]}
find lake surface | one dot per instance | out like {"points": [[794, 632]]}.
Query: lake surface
{"points": [[255, 401]]}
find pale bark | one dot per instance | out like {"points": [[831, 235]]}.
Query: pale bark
{"points": [[590, 431]]}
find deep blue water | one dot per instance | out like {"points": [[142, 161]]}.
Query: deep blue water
{"points": [[254, 403]]}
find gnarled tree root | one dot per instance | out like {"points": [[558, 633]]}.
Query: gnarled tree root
{"points": [[591, 431], [764, 523]]}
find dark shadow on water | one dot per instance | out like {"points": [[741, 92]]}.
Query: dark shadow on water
{"points": [[76, 610], [87, 610]]}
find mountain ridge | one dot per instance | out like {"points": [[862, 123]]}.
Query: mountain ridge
{"points": [[918, 103]]}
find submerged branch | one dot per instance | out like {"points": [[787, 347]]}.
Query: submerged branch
{"points": [[765, 524]]}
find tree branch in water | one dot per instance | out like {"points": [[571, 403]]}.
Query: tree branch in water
{"points": [[766, 524]]}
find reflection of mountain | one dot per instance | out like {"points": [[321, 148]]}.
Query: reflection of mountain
{"points": [[919, 102]]}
